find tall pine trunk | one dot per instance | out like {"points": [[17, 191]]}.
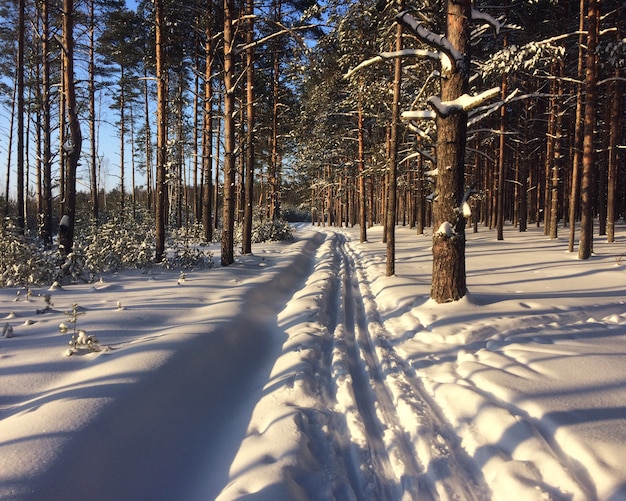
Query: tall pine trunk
{"points": [[578, 133], [228, 213], [392, 184], [250, 153], [585, 245], [448, 280], [161, 156], [207, 133], [73, 143]]}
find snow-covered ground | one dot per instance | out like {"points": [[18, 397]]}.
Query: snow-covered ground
{"points": [[301, 372]]}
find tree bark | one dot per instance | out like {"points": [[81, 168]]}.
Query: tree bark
{"points": [[72, 145], [161, 186], [448, 280], [207, 133], [392, 183], [362, 194], [585, 245], [228, 217], [615, 126], [21, 218], [250, 137], [578, 132], [95, 208]]}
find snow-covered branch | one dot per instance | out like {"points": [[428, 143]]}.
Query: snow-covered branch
{"points": [[482, 16], [418, 115], [444, 109], [438, 42], [485, 111], [419, 53]]}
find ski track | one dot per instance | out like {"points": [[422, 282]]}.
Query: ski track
{"points": [[389, 417]]}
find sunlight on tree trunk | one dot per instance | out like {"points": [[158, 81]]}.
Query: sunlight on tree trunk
{"points": [[73, 143], [161, 158], [448, 279], [228, 217]]}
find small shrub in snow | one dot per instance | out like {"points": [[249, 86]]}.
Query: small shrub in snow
{"points": [[80, 339], [7, 331]]}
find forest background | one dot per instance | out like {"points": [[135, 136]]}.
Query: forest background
{"points": [[266, 96]]}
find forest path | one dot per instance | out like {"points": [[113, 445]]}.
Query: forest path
{"points": [[405, 447]]}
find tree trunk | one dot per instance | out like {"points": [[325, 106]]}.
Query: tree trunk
{"points": [[72, 146], [392, 184], [161, 186], [615, 126], [550, 145], [362, 194], [207, 133], [448, 280], [501, 162], [578, 133], [21, 220], [95, 209], [228, 217], [274, 167], [585, 245], [250, 153], [556, 162], [122, 137], [148, 141]]}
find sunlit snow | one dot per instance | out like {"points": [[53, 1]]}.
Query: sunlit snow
{"points": [[302, 372]]}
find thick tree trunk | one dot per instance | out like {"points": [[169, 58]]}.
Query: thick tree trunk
{"points": [[72, 145], [228, 217], [392, 184], [448, 280], [585, 245], [161, 157]]}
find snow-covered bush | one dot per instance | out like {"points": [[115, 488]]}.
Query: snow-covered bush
{"points": [[294, 214], [115, 244], [271, 231], [25, 260], [186, 256]]}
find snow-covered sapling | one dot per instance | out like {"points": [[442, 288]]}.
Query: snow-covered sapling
{"points": [[80, 339], [7, 330], [48, 300]]}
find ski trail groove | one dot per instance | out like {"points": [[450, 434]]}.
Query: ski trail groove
{"points": [[423, 449]]}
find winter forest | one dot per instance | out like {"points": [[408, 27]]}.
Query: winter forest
{"points": [[209, 121], [365, 250]]}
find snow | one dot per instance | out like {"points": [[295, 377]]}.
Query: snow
{"points": [[302, 372], [465, 102]]}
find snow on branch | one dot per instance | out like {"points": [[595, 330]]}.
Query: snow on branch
{"points": [[444, 109], [418, 115], [419, 53], [438, 42], [483, 16]]}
